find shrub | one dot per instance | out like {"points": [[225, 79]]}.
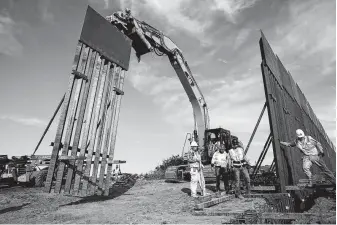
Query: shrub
{"points": [[159, 172]]}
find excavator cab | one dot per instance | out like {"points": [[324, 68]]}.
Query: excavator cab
{"points": [[215, 138]]}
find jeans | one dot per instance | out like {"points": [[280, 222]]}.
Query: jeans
{"points": [[237, 172], [220, 172], [308, 160]]}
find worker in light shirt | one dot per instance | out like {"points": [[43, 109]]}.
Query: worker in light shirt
{"points": [[240, 164], [220, 161], [312, 152]]}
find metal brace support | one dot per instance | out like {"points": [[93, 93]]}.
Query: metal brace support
{"points": [[79, 75], [118, 91], [286, 111], [272, 97]]}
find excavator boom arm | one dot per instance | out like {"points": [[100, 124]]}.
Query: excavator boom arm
{"points": [[146, 39]]}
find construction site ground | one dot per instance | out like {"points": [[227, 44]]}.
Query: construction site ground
{"points": [[143, 202]]}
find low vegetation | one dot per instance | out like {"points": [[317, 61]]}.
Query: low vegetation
{"points": [[159, 172]]}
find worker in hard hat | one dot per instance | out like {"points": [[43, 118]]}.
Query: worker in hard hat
{"points": [[240, 164], [220, 161], [313, 153], [197, 176]]}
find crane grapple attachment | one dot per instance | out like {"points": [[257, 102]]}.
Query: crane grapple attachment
{"points": [[138, 44]]}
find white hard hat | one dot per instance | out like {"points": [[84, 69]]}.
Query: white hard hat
{"points": [[194, 144], [299, 133]]}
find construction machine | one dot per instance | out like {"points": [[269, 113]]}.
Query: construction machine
{"points": [[145, 39], [24, 170]]}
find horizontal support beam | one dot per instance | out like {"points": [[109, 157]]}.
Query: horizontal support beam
{"points": [[201, 199], [262, 195], [40, 157], [109, 163], [79, 75], [266, 215], [116, 162], [294, 216], [272, 188], [78, 150], [214, 202], [118, 91], [212, 212], [66, 157]]}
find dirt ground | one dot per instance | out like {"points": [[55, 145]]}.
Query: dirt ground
{"points": [[145, 202]]}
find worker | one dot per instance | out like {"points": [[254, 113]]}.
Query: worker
{"points": [[213, 147], [197, 176], [313, 153], [220, 162], [240, 164]]}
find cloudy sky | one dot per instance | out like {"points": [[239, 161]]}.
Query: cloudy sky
{"points": [[219, 38]]}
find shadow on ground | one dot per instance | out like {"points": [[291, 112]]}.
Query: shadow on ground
{"points": [[211, 188], [114, 192], [14, 208], [188, 191]]}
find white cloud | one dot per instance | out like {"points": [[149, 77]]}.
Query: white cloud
{"points": [[45, 14], [232, 8], [317, 49], [242, 37], [172, 11], [223, 60], [145, 79], [326, 113], [28, 121], [9, 45]]}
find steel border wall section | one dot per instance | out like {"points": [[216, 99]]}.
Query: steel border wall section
{"points": [[83, 150], [289, 110]]}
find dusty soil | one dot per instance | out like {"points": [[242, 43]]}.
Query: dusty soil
{"points": [[145, 202]]}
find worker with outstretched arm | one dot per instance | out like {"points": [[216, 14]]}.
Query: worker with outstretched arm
{"points": [[240, 164], [312, 153], [197, 176], [220, 162]]}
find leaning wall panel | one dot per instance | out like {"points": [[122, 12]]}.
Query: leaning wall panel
{"points": [[81, 148], [289, 112]]}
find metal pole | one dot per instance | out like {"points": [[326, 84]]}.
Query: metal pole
{"points": [[182, 153], [265, 148], [256, 126], [272, 165], [264, 154], [50, 122]]}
